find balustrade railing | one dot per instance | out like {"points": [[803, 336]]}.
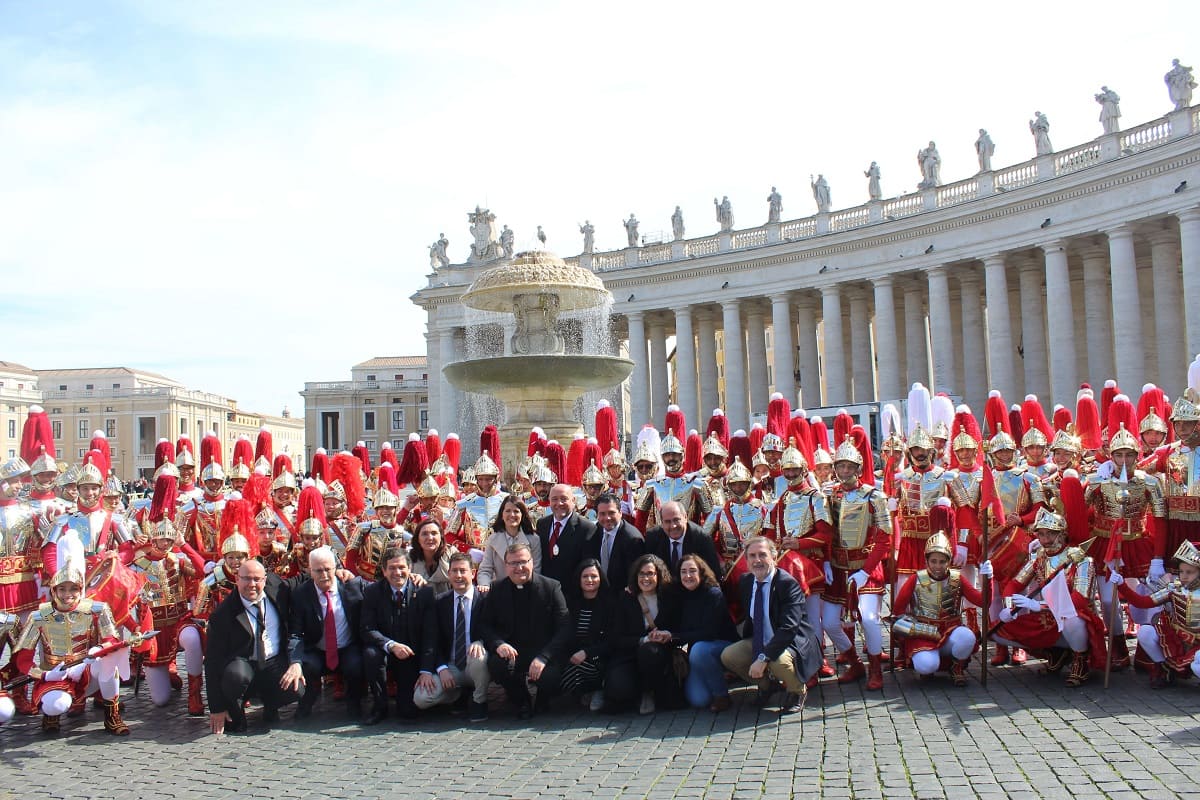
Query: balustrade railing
{"points": [[954, 193], [1016, 177], [752, 238], [903, 206], [606, 261], [654, 253], [850, 218], [798, 229], [1076, 158], [704, 247], [1144, 136]]}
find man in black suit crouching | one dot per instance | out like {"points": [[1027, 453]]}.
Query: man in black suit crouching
{"points": [[393, 618], [324, 607], [243, 654], [525, 626], [676, 537]]}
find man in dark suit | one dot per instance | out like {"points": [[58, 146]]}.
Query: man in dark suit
{"points": [[525, 626], [451, 659], [617, 544], [564, 534], [244, 655], [675, 538], [393, 618], [779, 641], [325, 607]]}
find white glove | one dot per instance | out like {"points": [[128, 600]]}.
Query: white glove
{"points": [[1027, 603], [57, 674], [960, 555], [1006, 615], [1116, 578], [985, 569], [76, 672], [1034, 546], [1157, 571], [828, 573], [860, 579], [893, 504], [209, 566], [1104, 471]]}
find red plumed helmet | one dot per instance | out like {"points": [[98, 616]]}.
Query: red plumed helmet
{"points": [[1152, 399], [413, 466], [862, 443], [238, 517], [739, 447], [1062, 418], [319, 469], [820, 435], [1016, 426], [1034, 416], [1075, 510], [243, 453], [264, 446], [310, 505], [257, 489], [995, 414], [37, 436], [1107, 395], [757, 434], [100, 444], [779, 415], [941, 518], [489, 442], [386, 478], [1087, 421], [718, 425], [607, 436], [282, 464], [347, 470], [800, 432], [363, 455], [162, 503], [534, 435], [433, 446], [965, 422], [164, 453], [210, 450], [693, 452], [842, 423], [452, 449], [387, 454], [591, 455], [676, 423], [556, 458], [575, 461], [1121, 412]]}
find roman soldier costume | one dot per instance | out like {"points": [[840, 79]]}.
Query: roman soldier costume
{"points": [[918, 487], [673, 486], [471, 522], [20, 541], [1172, 640], [96, 528], [1177, 465], [740, 517], [374, 536]]}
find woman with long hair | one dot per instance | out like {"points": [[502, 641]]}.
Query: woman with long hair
{"points": [[511, 526], [592, 606], [643, 661], [429, 557], [706, 629]]}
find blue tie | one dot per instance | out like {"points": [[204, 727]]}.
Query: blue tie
{"points": [[760, 617]]}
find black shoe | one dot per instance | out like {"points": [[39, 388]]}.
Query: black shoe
{"points": [[793, 703], [236, 724], [304, 711], [765, 692], [478, 712], [525, 711], [270, 714], [376, 715], [459, 706]]}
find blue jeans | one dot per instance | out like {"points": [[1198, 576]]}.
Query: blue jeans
{"points": [[706, 674]]}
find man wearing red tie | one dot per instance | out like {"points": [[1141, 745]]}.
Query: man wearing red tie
{"points": [[325, 632], [563, 534]]}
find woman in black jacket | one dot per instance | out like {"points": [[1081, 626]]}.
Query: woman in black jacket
{"points": [[642, 652], [592, 609], [706, 628]]}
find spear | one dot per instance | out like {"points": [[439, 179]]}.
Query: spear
{"points": [[76, 660]]}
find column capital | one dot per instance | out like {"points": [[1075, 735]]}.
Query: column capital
{"points": [[1189, 214], [731, 303], [994, 260], [883, 280], [967, 278], [635, 315], [1161, 238], [1123, 231], [781, 298], [684, 311], [805, 300], [831, 290], [1053, 246], [937, 270]]}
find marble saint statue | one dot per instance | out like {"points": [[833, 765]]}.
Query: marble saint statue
{"points": [[677, 224], [820, 190], [985, 148], [931, 167], [1180, 84], [1039, 126], [874, 191], [631, 230], [1110, 109], [774, 205]]}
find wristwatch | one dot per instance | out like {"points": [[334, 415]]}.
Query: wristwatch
{"points": [[762, 657]]}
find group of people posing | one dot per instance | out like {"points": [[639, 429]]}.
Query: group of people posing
{"points": [[415, 583]]}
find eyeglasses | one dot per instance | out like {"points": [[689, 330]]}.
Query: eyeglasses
{"points": [[652, 574], [524, 563]]}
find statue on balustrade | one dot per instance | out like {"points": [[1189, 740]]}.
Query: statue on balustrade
{"points": [[724, 213], [631, 230], [1039, 126], [677, 223], [483, 229], [589, 236], [820, 190], [1110, 109], [1180, 84], [873, 189], [985, 148], [437, 252], [506, 241], [931, 167], [774, 206]]}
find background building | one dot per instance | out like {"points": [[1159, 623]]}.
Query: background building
{"points": [[386, 398]]}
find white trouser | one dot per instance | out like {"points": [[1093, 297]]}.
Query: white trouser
{"points": [[831, 621], [959, 645], [193, 653]]}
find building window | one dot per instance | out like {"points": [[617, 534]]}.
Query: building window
{"points": [[368, 420], [183, 426], [216, 429], [397, 400], [12, 429], [371, 378], [108, 409], [424, 419], [397, 419], [84, 429], [82, 453], [62, 387], [90, 387], [56, 411], [110, 428], [369, 444], [116, 386], [425, 376], [56, 428], [370, 401], [12, 453], [83, 409], [399, 377]]}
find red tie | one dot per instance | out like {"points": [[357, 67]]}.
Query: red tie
{"points": [[554, 536], [331, 648]]}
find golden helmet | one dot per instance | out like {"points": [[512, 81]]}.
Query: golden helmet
{"points": [[1123, 440], [485, 466], [43, 463], [1047, 520], [940, 430], [821, 456], [68, 574], [13, 468], [311, 527], [1033, 438], [522, 469], [920, 438], [964, 441], [1152, 422], [670, 444], [286, 480], [69, 477], [212, 472], [165, 529], [792, 459], [239, 471], [335, 489], [713, 447], [235, 543], [1001, 441], [447, 490], [113, 486], [185, 458], [1185, 410], [759, 460], [645, 454], [384, 498], [1064, 441], [771, 444], [738, 473], [90, 474], [1188, 553], [592, 476], [540, 472], [266, 519], [846, 451], [167, 468], [614, 457], [468, 477], [938, 542], [427, 488]]}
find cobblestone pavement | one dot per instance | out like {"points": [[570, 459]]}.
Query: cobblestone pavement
{"points": [[1025, 735]]}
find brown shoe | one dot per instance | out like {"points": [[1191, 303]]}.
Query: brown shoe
{"points": [[50, 724], [1081, 670], [719, 704], [1120, 655], [112, 718], [958, 672]]}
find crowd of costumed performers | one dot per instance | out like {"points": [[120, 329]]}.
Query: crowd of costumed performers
{"points": [[657, 566]]}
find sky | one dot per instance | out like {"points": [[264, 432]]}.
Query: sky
{"points": [[241, 195]]}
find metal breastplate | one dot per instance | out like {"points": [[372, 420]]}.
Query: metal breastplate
{"points": [[935, 600], [966, 488], [16, 529], [1012, 488], [920, 490], [483, 510], [854, 516], [63, 634], [164, 581], [1180, 478], [797, 515], [208, 525], [678, 489], [1143, 496], [1185, 607]]}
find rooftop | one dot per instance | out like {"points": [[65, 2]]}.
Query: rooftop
{"points": [[381, 362]]}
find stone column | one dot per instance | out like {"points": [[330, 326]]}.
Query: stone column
{"points": [[1060, 318], [1189, 238], [914, 337], [756, 357], [685, 363], [1034, 304], [972, 336], [885, 339], [448, 413], [660, 388], [784, 352], [1169, 320], [941, 335], [808, 357], [862, 365], [434, 387], [1098, 314], [834, 362], [639, 379], [735, 359], [1000, 345], [1127, 319], [706, 345]]}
